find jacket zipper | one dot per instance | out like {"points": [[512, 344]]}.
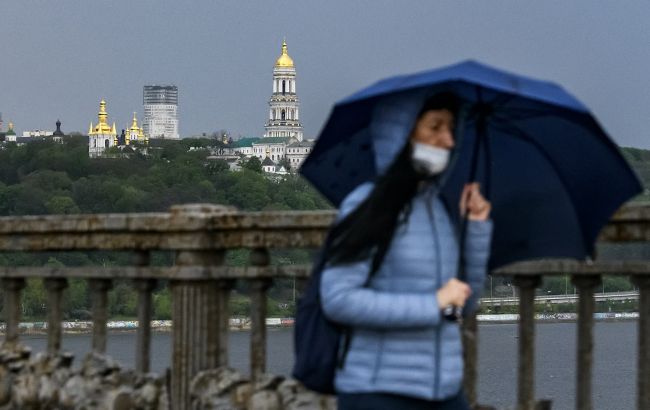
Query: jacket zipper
{"points": [[429, 204]]}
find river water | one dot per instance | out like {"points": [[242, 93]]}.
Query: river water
{"points": [[615, 360]]}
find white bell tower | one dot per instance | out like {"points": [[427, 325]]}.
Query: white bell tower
{"points": [[284, 111]]}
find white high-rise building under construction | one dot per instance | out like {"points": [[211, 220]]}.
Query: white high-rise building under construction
{"points": [[160, 111]]}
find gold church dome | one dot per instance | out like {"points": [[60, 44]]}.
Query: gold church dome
{"points": [[284, 60], [102, 126]]}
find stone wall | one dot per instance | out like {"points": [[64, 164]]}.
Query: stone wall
{"points": [[227, 389], [40, 381]]}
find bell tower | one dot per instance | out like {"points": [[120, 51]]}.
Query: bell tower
{"points": [[284, 111]]}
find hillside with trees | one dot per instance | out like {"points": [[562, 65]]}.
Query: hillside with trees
{"points": [[53, 178]]}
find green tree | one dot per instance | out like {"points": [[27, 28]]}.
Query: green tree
{"points": [[253, 164], [61, 205], [162, 303]]}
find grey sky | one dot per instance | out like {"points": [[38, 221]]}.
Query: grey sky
{"points": [[59, 58]]}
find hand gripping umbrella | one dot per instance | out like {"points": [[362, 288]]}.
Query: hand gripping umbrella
{"points": [[552, 174]]}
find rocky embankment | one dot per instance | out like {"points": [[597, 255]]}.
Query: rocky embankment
{"points": [[40, 381]]}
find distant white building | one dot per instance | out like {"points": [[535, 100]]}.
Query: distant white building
{"points": [[10, 135], [273, 147], [101, 136], [297, 152], [160, 111], [37, 133], [284, 108], [271, 167], [283, 137]]}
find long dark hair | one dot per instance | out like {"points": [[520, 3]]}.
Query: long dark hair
{"points": [[369, 229]]}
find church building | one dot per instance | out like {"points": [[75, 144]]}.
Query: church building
{"points": [[101, 136], [283, 128], [284, 108]]}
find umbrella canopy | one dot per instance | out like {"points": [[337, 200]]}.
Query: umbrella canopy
{"points": [[551, 172]]}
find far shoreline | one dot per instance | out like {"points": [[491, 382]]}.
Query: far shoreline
{"points": [[244, 324]]}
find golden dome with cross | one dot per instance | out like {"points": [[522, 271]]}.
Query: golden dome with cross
{"points": [[284, 60]]}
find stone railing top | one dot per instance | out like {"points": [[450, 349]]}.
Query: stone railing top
{"points": [[206, 226], [185, 218], [186, 227]]}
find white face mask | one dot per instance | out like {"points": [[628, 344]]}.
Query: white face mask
{"points": [[429, 159]]}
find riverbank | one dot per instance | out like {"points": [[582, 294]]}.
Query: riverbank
{"points": [[73, 327]]}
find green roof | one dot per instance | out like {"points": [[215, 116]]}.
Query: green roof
{"points": [[267, 161], [273, 140], [245, 142]]}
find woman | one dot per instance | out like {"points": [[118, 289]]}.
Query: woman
{"points": [[403, 354]]}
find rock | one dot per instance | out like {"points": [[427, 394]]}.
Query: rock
{"points": [[265, 400], [295, 396], [241, 395], [268, 382], [119, 399]]}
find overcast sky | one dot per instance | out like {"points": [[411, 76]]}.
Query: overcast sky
{"points": [[59, 58]]}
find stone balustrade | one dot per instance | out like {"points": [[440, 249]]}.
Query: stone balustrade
{"points": [[200, 282]]}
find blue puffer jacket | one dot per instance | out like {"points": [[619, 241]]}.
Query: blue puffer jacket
{"points": [[400, 343]]}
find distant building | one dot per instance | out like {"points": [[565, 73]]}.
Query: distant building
{"points": [[273, 147], [101, 136], [135, 134], [284, 108], [297, 152], [37, 133], [10, 135], [32, 136], [283, 137], [271, 167], [160, 111], [244, 146], [58, 135]]}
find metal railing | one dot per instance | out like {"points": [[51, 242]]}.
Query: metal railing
{"points": [[201, 283]]}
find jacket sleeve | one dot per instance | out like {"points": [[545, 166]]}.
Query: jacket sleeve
{"points": [[345, 300], [477, 254]]}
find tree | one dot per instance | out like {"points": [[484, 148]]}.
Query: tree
{"points": [[217, 166], [61, 204], [253, 164]]}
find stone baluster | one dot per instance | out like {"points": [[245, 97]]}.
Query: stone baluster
{"points": [[586, 307], [195, 320], [55, 287], [526, 366], [260, 258], [13, 288], [99, 293], [643, 381], [144, 288]]}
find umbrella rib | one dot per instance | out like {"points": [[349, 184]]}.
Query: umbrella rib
{"points": [[509, 129]]}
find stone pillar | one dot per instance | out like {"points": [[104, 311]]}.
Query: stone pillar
{"points": [[195, 316]]}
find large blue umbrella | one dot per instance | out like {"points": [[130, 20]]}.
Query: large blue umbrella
{"points": [[551, 172]]}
